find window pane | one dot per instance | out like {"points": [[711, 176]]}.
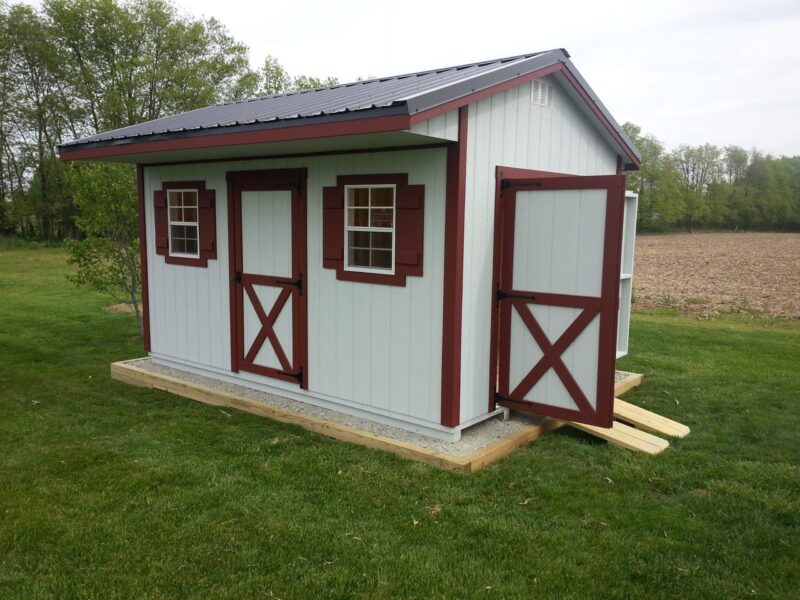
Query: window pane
{"points": [[382, 259], [358, 196], [177, 231], [175, 214], [359, 258], [190, 198], [382, 240], [190, 232], [174, 198], [382, 217], [178, 245], [382, 196], [359, 239], [191, 246], [190, 214], [358, 217]]}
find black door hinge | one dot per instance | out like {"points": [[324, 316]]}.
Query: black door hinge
{"points": [[238, 277], [501, 295], [297, 375], [510, 183], [298, 283]]}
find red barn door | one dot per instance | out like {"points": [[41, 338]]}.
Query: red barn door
{"points": [[558, 295]]}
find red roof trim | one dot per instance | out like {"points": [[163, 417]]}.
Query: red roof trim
{"points": [[298, 132]]}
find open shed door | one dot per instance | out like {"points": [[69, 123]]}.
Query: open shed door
{"points": [[558, 295]]}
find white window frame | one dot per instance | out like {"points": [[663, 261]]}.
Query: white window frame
{"points": [[348, 228], [195, 224]]}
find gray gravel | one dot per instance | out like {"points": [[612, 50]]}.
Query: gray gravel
{"points": [[472, 439]]}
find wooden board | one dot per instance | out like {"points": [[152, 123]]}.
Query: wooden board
{"points": [[623, 436], [127, 373], [630, 381], [648, 420]]}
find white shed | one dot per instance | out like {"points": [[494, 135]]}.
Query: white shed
{"points": [[420, 250]]}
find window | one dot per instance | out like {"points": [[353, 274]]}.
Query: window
{"points": [[369, 228], [183, 223], [373, 228], [185, 218]]}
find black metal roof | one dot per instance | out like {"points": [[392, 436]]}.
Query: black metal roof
{"points": [[406, 94]]}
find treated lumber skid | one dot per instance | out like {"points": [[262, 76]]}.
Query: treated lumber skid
{"points": [[126, 373], [624, 436], [648, 420]]}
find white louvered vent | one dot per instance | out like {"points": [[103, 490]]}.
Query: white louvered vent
{"points": [[542, 93]]}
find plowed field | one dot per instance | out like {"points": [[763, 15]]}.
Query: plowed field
{"points": [[712, 273]]}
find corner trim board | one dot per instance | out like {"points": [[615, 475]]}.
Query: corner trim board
{"points": [[454, 273], [143, 253]]}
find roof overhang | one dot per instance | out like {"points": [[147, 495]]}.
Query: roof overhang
{"points": [[355, 128]]}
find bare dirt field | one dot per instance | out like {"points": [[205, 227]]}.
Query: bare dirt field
{"points": [[712, 273]]}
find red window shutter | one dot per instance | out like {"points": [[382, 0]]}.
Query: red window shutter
{"points": [[410, 229], [332, 227], [207, 216], [161, 221]]}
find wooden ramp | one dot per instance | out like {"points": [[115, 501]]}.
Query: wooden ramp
{"points": [[624, 436], [647, 420], [635, 436]]}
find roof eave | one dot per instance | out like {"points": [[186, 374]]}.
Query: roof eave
{"points": [[374, 120]]}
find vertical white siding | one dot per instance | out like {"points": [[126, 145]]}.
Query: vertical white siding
{"points": [[372, 347], [443, 126], [508, 129]]}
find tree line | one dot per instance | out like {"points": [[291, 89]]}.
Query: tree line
{"points": [[713, 187], [73, 68]]}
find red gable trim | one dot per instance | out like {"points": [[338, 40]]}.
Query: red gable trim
{"points": [[517, 81], [297, 132]]}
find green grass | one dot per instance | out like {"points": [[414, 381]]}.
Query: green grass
{"points": [[109, 491]]}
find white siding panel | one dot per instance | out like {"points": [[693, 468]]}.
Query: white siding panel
{"points": [[508, 130], [443, 126], [374, 347]]}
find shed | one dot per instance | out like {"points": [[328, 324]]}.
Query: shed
{"points": [[422, 250]]}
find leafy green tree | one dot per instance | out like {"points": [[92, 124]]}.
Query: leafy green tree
{"points": [[107, 258], [657, 182]]}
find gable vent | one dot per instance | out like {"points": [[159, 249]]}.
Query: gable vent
{"points": [[542, 93]]}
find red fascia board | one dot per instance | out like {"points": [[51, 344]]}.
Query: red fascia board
{"points": [[282, 134], [559, 67]]}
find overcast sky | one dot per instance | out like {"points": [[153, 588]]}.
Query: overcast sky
{"points": [[725, 72]]}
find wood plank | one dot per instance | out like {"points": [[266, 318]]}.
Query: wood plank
{"points": [[505, 446], [629, 382], [129, 374], [624, 436], [648, 420]]}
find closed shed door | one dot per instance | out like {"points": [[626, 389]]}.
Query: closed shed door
{"points": [[558, 296], [269, 336]]}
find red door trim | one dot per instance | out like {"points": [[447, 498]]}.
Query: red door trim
{"points": [[143, 255], [606, 306], [453, 274], [293, 180], [500, 174]]}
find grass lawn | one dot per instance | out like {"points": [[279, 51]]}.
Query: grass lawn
{"points": [[109, 491]]}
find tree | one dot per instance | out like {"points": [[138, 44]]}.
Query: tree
{"points": [[657, 182], [699, 167], [275, 79], [107, 258]]}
